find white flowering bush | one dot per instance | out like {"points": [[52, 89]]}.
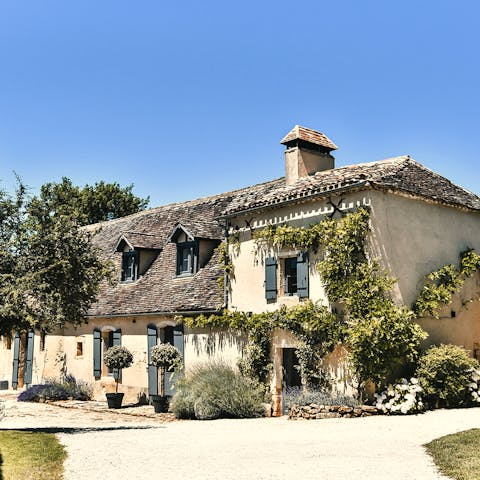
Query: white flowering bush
{"points": [[401, 398], [474, 386]]}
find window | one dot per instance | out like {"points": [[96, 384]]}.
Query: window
{"points": [[187, 258], [79, 349], [290, 285], [108, 343], [294, 274], [130, 266]]}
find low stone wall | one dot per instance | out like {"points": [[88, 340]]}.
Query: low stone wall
{"points": [[314, 411]]}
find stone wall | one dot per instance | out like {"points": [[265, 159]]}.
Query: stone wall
{"points": [[318, 412]]}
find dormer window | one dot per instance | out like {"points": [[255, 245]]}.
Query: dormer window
{"points": [[139, 251], [130, 266], [187, 258], [196, 241]]}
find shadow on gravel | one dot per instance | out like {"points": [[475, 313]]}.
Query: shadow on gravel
{"points": [[74, 430]]}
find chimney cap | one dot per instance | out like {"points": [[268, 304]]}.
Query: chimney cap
{"points": [[308, 135]]}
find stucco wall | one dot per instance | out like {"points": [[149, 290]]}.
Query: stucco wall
{"points": [[6, 360], [248, 288], [200, 346], [414, 238]]}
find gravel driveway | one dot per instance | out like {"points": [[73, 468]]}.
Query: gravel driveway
{"points": [[112, 446]]}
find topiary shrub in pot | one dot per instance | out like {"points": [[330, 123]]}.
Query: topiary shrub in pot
{"points": [[165, 357], [117, 358]]}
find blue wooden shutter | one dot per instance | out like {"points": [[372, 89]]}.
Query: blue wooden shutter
{"points": [[97, 353], [16, 359], [173, 336], [29, 359], [302, 275], [117, 341], [152, 369], [178, 339], [270, 278]]}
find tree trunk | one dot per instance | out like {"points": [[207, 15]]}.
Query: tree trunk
{"points": [[161, 378], [22, 359]]}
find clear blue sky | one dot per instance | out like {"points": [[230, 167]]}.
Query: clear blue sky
{"points": [[186, 99]]}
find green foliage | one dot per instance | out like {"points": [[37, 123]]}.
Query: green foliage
{"points": [[378, 333], [88, 204], [441, 285], [50, 272], [166, 356], [312, 323], [118, 357], [377, 344], [444, 373], [469, 263], [215, 390], [438, 290]]}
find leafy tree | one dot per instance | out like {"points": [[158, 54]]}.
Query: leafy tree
{"points": [[50, 272], [88, 204]]}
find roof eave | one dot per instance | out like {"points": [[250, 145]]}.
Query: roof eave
{"points": [[366, 185]]}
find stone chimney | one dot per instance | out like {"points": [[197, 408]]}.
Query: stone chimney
{"points": [[307, 151]]}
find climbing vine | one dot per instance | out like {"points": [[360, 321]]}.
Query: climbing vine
{"points": [[378, 333], [225, 260], [441, 285], [317, 329]]}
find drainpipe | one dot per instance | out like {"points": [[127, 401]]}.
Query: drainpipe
{"points": [[225, 276]]}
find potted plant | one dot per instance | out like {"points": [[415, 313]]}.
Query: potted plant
{"points": [[165, 357], [116, 358]]}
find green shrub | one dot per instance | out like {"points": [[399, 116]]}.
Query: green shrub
{"points": [[118, 357], [166, 356], [444, 373], [216, 390]]}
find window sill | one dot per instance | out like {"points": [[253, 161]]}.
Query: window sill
{"points": [[184, 275], [129, 282]]}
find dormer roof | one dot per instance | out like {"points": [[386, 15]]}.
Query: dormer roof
{"points": [[197, 229], [136, 240]]}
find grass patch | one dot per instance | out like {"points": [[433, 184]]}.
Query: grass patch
{"points": [[457, 455], [30, 456]]}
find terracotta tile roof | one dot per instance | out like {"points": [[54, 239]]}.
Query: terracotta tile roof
{"points": [[401, 174], [308, 135]]}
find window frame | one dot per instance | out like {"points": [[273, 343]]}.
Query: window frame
{"points": [[193, 267], [292, 269], [125, 257]]}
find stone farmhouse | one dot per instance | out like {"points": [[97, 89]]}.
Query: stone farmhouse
{"points": [[166, 264]]}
